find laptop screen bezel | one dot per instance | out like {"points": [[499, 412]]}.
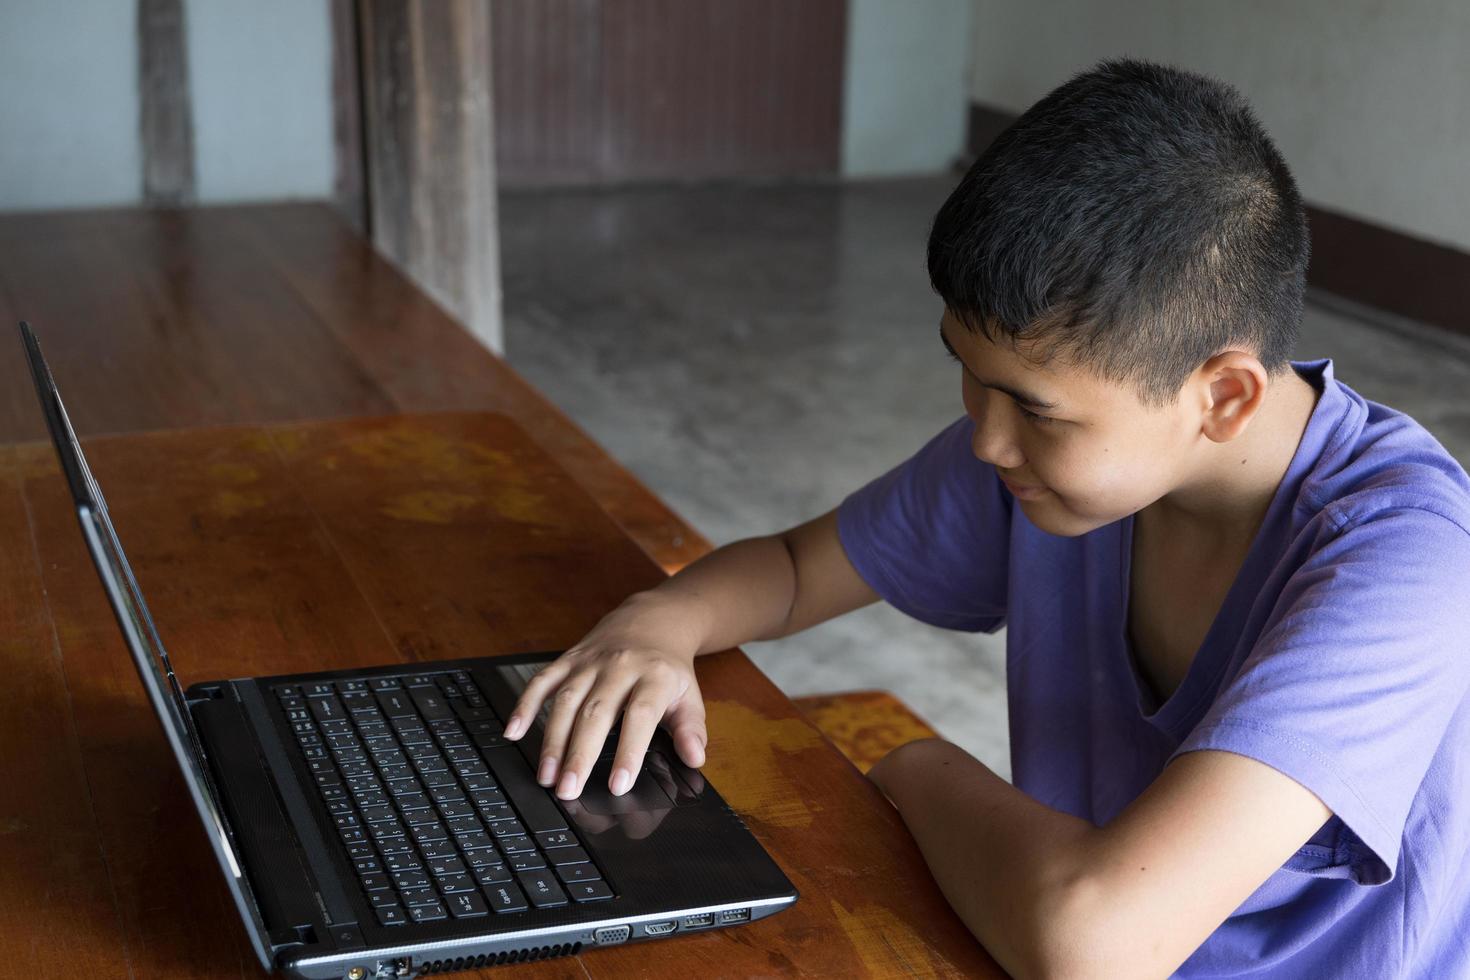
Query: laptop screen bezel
{"points": [[149, 656]]}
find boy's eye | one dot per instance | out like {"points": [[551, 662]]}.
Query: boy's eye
{"points": [[1040, 419], [1030, 416]]}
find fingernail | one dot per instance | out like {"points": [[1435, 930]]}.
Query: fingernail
{"points": [[513, 730], [547, 772], [568, 784], [620, 782]]}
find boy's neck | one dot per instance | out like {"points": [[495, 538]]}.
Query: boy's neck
{"points": [[1224, 504]]}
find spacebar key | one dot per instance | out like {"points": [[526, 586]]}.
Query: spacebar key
{"points": [[530, 798]]}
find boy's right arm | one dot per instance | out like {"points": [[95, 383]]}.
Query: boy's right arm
{"points": [[642, 653]]}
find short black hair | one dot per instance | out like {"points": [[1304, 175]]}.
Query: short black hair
{"points": [[1138, 219]]}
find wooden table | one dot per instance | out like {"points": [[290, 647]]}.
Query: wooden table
{"points": [[349, 542]]}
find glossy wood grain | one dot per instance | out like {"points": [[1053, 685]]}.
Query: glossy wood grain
{"points": [[340, 543], [173, 319]]}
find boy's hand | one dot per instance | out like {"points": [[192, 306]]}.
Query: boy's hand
{"points": [[626, 660]]}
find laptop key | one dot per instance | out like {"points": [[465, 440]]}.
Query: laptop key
{"points": [[391, 915], [515, 843], [439, 850], [384, 683], [554, 838], [373, 883], [418, 896], [486, 741], [396, 704], [478, 857], [469, 713], [507, 828], [466, 905], [405, 863], [431, 703], [410, 879], [382, 898], [505, 897], [449, 884], [589, 891], [567, 855], [577, 872], [525, 862], [488, 797], [428, 913], [446, 866], [476, 776], [542, 889], [494, 874], [427, 832], [326, 708]]}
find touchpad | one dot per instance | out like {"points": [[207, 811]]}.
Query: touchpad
{"points": [[647, 792]]}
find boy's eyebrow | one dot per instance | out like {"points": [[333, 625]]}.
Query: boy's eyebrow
{"points": [[1023, 397]]}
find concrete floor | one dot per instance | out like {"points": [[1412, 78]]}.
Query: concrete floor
{"points": [[756, 352]]}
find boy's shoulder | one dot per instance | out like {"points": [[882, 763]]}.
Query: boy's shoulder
{"points": [[1380, 459]]}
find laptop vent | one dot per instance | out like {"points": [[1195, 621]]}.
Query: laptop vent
{"points": [[495, 959]]}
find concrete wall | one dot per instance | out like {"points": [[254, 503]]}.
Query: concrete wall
{"points": [[259, 75], [1368, 100], [68, 104], [904, 104], [261, 83]]}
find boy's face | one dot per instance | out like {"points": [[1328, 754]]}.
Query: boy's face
{"points": [[1096, 455]]}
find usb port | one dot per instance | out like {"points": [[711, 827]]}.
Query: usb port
{"points": [[696, 921], [735, 915], [659, 928]]}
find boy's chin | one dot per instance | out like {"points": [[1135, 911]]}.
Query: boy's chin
{"points": [[1047, 514]]}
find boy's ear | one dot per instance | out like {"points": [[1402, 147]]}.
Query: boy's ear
{"points": [[1235, 385]]}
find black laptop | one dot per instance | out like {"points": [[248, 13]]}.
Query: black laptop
{"points": [[374, 823]]}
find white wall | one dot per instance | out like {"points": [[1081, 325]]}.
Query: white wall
{"points": [[904, 104], [68, 104], [261, 83], [1368, 100], [260, 86]]}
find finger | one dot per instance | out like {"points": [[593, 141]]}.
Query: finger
{"points": [[589, 733], [541, 684], [646, 705], [565, 702], [686, 724]]}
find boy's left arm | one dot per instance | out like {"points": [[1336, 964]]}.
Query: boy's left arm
{"points": [[1050, 895]]}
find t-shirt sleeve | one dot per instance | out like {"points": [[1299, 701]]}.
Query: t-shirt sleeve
{"points": [[1352, 684], [932, 535]]}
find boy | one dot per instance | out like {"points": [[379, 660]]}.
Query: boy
{"points": [[1238, 593]]}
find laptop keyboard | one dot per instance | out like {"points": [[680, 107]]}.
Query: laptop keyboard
{"points": [[438, 812]]}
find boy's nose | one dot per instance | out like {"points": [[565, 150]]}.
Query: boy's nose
{"points": [[992, 441]]}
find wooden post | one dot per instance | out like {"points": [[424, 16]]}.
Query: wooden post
{"points": [[165, 127], [430, 151], [348, 191]]}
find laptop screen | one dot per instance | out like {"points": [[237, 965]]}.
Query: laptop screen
{"points": [[149, 656]]}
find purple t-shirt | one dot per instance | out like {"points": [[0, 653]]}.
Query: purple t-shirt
{"points": [[1341, 657]]}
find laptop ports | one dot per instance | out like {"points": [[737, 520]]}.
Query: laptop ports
{"points": [[611, 935], [734, 915], [659, 928], [699, 921]]}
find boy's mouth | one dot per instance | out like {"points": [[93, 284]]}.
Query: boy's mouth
{"points": [[1023, 492]]}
